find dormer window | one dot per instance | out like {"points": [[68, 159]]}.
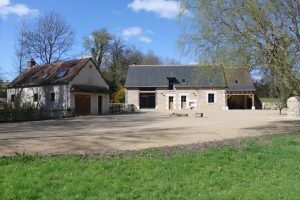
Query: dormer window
{"points": [[172, 81], [61, 73], [171, 84], [183, 81], [236, 81]]}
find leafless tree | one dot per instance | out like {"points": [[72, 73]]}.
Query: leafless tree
{"points": [[47, 38], [21, 57]]}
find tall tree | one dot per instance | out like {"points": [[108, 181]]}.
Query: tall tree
{"points": [[21, 57], [98, 44], [150, 59], [251, 33], [47, 38]]}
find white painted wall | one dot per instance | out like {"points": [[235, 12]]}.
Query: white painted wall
{"points": [[89, 75], [25, 96]]}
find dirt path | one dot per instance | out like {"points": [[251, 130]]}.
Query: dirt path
{"points": [[98, 134]]}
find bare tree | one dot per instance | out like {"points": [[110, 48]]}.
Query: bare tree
{"points": [[21, 57], [47, 38], [98, 44]]}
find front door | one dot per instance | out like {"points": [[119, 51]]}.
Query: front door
{"points": [[99, 105], [171, 103], [82, 104], [183, 102]]}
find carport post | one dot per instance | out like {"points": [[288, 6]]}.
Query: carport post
{"points": [[226, 101], [253, 102]]}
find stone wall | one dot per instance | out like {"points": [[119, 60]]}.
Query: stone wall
{"points": [[269, 106], [195, 99], [293, 105]]}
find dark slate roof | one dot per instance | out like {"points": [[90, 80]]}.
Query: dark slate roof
{"points": [[195, 75], [238, 79], [89, 89], [47, 74], [156, 76]]}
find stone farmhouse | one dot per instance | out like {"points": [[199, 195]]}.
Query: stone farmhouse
{"points": [[189, 87], [74, 84]]}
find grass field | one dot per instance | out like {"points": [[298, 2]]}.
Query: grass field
{"points": [[267, 100], [261, 169]]}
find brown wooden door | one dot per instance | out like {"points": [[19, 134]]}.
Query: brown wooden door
{"points": [[82, 104], [171, 103]]}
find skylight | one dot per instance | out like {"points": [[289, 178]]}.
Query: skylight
{"points": [[45, 75], [61, 73]]}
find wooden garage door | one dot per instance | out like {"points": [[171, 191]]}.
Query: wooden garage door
{"points": [[82, 104]]}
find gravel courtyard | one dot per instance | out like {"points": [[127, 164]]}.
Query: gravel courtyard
{"points": [[98, 134]]}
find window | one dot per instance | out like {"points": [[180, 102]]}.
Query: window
{"points": [[12, 98], [61, 73], [35, 97], [183, 81], [183, 102], [171, 84], [211, 98], [45, 75], [236, 81], [52, 97]]}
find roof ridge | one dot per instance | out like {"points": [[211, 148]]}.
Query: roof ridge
{"points": [[174, 65], [60, 62]]}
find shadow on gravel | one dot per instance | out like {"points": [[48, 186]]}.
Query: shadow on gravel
{"points": [[278, 127]]}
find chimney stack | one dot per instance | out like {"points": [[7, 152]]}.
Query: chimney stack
{"points": [[31, 63]]}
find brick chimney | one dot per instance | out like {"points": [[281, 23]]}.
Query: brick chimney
{"points": [[31, 63]]}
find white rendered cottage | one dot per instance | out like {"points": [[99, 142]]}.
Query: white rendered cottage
{"points": [[74, 84]]}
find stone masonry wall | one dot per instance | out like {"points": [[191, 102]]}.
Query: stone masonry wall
{"points": [[198, 99]]}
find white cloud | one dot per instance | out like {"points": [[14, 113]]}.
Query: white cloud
{"points": [[6, 8], [137, 33], [131, 32], [163, 8], [145, 39]]}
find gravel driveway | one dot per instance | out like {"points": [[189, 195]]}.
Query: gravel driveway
{"points": [[98, 134]]}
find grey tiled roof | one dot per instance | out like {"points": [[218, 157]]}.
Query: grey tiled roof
{"points": [[242, 76], [195, 76], [156, 76]]}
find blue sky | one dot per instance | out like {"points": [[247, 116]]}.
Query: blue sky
{"points": [[147, 24]]}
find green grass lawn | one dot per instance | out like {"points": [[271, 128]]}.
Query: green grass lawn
{"points": [[267, 100], [260, 170]]}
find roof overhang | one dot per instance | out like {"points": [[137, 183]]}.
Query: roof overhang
{"points": [[89, 89]]}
